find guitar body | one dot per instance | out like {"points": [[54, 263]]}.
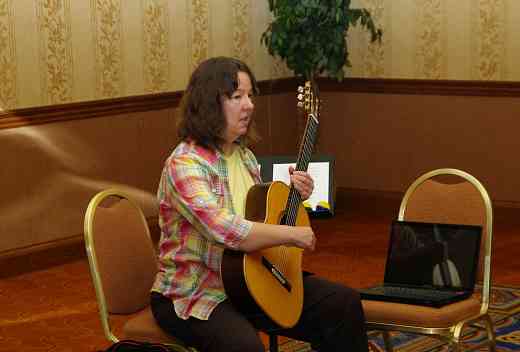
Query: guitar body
{"points": [[249, 278]]}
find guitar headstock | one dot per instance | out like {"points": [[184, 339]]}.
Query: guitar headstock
{"points": [[308, 99]]}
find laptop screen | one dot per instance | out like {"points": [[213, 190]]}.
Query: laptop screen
{"points": [[433, 255]]}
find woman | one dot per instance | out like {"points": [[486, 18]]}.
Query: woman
{"points": [[201, 212]]}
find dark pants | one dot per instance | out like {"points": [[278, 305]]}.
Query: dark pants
{"points": [[332, 320]]}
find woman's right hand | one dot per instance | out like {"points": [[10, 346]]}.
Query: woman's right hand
{"points": [[303, 237]]}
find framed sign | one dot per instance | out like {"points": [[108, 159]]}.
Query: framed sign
{"points": [[321, 169]]}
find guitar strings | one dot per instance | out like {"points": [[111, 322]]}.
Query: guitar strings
{"points": [[294, 197]]}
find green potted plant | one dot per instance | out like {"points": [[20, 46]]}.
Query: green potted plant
{"points": [[310, 35]]}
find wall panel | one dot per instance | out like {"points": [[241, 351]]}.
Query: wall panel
{"points": [[382, 142], [50, 171]]}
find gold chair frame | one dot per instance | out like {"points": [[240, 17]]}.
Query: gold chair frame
{"points": [[452, 334], [174, 345]]}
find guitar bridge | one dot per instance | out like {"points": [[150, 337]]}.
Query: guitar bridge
{"points": [[277, 274]]}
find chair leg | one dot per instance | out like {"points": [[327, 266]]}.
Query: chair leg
{"points": [[453, 347], [454, 339], [488, 324], [490, 328], [273, 343], [388, 342]]}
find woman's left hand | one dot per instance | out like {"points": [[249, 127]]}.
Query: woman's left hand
{"points": [[302, 181]]}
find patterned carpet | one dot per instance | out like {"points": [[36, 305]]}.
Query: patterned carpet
{"points": [[505, 312]]}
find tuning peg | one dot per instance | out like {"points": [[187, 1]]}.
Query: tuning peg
{"points": [[300, 89], [300, 96]]}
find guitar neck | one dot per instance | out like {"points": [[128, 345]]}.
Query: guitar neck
{"points": [[302, 162]]}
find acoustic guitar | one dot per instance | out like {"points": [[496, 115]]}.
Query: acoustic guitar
{"points": [[271, 279]]}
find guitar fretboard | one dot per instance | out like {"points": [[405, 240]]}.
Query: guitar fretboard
{"points": [[304, 157]]}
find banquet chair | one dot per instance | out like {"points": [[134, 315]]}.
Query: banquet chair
{"points": [[123, 265], [443, 196]]}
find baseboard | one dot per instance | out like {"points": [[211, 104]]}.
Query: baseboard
{"points": [[505, 204], [37, 257]]}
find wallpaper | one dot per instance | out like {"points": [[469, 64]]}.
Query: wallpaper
{"points": [[156, 55], [490, 42], [62, 51], [56, 64], [108, 52], [372, 60], [7, 57], [241, 25], [199, 31], [430, 41], [439, 39]]}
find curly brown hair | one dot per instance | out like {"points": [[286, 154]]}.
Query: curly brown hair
{"points": [[202, 118]]}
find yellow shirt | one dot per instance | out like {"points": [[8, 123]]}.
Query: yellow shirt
{"points": [[240, 181]]}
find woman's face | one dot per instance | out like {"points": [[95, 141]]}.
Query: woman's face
{"points": [[238, 109]]}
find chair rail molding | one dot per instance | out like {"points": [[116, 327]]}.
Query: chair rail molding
{"points": [[90, 109]]}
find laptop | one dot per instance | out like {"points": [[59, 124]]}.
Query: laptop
{"points": [[429, 264]]}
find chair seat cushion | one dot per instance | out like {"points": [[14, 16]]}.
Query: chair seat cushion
{"points": [[413, 315], [143, 327]]}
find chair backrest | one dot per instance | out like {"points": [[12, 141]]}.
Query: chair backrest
{"points": [[121, 253], [453, 196]]}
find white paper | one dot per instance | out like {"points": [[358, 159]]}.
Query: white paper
{"points": [[319, 172]]}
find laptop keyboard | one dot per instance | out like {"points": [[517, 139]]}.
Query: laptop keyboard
{"points": [[409, 292]]}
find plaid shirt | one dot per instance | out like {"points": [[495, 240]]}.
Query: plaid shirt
{"points": [[197, 222]]}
